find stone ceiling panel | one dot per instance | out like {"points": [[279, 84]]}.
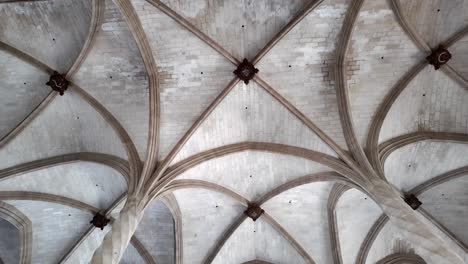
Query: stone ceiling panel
{"points": [[355, 215], [9, 243], [22, 89], [117, 208], [271, 246], [91, 183], [205, 216], [240, 247], [436, 20], [242, 27], [114, 74], [379, 54], [431, 102], [67, 125], [84, 251], [51, 31], [301, 67], [55, 228], [249, 113], [156, 232], [390, 240], [417, 163], [131, 256], [252, 173], [460, 56], [302, 212], [447, 203], [191, 74]]}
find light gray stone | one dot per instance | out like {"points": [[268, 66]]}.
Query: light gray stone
{"points": [[51, 31]]}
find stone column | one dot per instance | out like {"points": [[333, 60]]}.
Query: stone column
{"points": [[116, 241], [412, 224]]}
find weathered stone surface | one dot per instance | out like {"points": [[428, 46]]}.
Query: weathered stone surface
{"points": [[355, 213], [460, 55], [131, 256], [91, 183], [422, 161], [56, 228], [257, 241], [390, 241], [84, 252], [436, 20], [271, 246], [67, 125], [200, 209], [191, 74], [156, 232], [379, 54], [114, 74], [240, 247], [237, 172], [447, 204], [301, 212], [241, 27], [22, 88], [9, 242], [431, 102], [301, 67], [52, 32], [249, 113]]}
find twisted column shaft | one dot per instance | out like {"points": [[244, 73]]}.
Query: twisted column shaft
{"points": [[116, 241], [411, 223]]}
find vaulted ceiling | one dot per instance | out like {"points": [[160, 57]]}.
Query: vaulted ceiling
{"points": [[160, 72]]}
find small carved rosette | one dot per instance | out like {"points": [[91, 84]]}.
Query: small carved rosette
{"points": [[254, 211], [412, 201], [58, 83], [245, 71], [439, 57], [100, 221]]}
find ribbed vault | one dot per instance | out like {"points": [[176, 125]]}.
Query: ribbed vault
{"points": [[344, 119]]}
